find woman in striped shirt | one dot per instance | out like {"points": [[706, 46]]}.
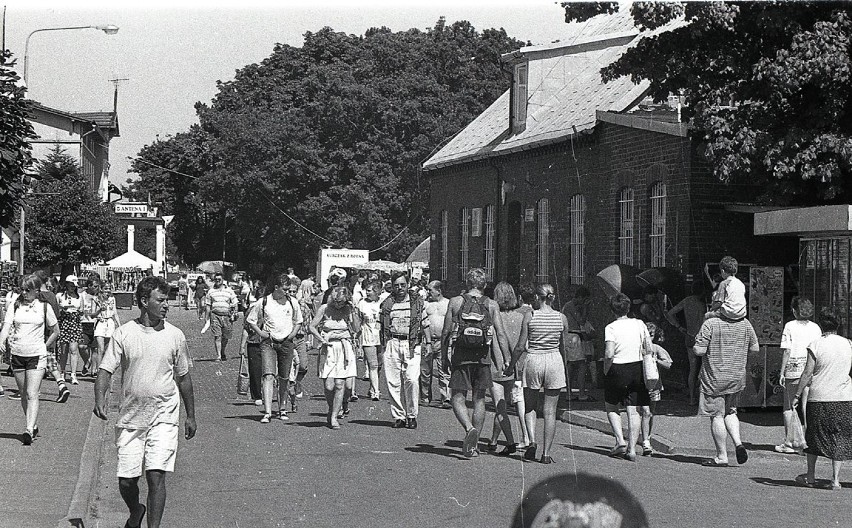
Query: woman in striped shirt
{"points": [[545, 332]]}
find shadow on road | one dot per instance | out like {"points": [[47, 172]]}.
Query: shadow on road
{"points": [[249, 417], [597, 450], [373, 423], [12, 436], [820, 483], [759, 447], [435, 450]]}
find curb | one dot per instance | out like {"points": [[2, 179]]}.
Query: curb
{"points": [[660, 444], [89, 475]]}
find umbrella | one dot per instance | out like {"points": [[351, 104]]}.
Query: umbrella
{"points": [[379, 265], [214, 266], [620, 278]]}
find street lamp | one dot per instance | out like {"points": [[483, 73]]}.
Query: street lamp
{"points": [[109, 29]]}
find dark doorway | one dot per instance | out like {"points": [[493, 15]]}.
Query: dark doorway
{"points": [[513, 257]]}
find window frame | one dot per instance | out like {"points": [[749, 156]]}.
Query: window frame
{"points": [[577, 210]]}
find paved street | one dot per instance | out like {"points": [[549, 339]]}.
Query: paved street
{"points": [[238, 472]]}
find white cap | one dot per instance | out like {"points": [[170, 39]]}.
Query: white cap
{"points": [[71, 278], [338, 272]]}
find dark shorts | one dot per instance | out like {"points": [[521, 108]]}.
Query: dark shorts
{"points": [[88, 336], [28, 363], [476, 377], [624, 385]]}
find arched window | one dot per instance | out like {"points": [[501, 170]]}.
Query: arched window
{"points": [[625, 233], [443, 247], [543, 241], [464, 241], [658, 225], [578, 238], [488, 248]]}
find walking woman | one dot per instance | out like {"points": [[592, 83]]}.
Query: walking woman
{"points": [[25, 328], [502, 385], [200, 288], [334, 326], [626, 340], [107, 321], [829, 419], [545, 331], [70, 328]]}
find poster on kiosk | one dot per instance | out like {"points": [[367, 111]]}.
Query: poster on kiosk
{"points": [[340, 258]]}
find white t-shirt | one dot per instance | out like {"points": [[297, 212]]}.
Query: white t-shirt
{"points": [[831, 382], [68, 303], [628, 336], [371, 326], [26, 330], [796, 337], [732, 297], [279, 319], [88, 306], [150, 361]]}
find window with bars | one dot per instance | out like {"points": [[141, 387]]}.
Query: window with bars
{"points": [[488, 251], [543, 241], [578, 238], [443, 248], [464, 242], [658, 225], [625, 234]]}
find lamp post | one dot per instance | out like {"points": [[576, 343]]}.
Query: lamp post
{"points": [[109, 29]]}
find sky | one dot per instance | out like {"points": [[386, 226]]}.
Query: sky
{"points": [[173, 53]]}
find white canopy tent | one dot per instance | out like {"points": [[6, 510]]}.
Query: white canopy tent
{"points": [[133, 259]]}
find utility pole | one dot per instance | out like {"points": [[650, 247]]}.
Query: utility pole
{"points": [[115, 82]]}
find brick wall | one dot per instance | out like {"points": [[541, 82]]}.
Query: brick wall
{"points": [[598, 165]]}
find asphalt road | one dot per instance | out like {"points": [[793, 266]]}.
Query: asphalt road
{"points": [[238, 472]]}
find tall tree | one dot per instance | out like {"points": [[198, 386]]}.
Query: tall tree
{"points": [[62, 198], [321, 145], [169, 171], [15, 135], [768, 88]]}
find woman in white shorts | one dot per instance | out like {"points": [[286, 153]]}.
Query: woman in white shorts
{"points": [[24, 326], [545, 332], [107, 322]]}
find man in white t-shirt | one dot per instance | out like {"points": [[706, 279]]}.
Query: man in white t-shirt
{"points": [[277, 322], [436, 311], [152, 355]]}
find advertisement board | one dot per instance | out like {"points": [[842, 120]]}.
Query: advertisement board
{"points": [[341, 258]]}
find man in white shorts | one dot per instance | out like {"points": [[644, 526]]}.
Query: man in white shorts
{"points": [[155, 377]]}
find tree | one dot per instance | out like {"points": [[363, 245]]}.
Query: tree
{"points": [[169, 171], [62, 198], [767, 86], [321, 145], [15, 135]]}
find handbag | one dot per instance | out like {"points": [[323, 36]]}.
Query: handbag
{"points": [[650, 371], [243, 377]]}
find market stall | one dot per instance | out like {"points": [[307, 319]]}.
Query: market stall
{"points": [[124, 272]]}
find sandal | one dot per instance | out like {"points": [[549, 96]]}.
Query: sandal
{"points": [[265, 419], [282, 415], [711, 462], [529, 454], [784, 448], [618, 451], [802, 480], [508, 450]]}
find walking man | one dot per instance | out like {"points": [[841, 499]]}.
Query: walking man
{"points": [[471, 317], [433, 356], [183, 292], [402, 319], [222, 307], [154, 361], [277, 320], [725, 345]]}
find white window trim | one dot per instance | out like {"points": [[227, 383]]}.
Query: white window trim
{"points": [[464, 243], [520, 95], [543, 241], [444, 244], [658, 225], [626, 233], [578, 239], [488, 251]]}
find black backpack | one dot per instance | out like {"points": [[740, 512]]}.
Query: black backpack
{"points": [[474, 323]]}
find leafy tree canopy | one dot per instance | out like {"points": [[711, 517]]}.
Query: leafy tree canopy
{"points": [[331, 135], [15, 135], [767, 86], [62, 198]]}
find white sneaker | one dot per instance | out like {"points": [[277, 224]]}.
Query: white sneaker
{"points": [[258, 402]]}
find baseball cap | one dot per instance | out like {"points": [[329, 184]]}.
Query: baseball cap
{"points": [[71, 278], [338, 272]]}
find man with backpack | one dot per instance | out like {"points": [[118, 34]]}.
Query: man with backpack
{"points": [[402, 318], [470, 319]]}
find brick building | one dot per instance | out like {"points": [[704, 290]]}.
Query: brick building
{"points": [[564, 175]]}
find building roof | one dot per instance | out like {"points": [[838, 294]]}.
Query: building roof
{"points": [[107, 121], [564, 93]]}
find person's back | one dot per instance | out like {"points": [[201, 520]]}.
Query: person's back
{"points": [[732, 298], [728, 343], [796, 337], [545, 331], [833, 362]]}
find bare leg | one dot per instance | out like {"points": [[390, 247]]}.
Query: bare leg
{"points": [[647, 414], [551, 398], [74, 356], [717, 429], [530, 417], [479, 410], [732, 424], [521, 408], [337, 402], [692, 377], [459, 400], [129, 490], [812, 460], [614, 417], [633, 427], [156, 496], [217, 347], [501, 418]]}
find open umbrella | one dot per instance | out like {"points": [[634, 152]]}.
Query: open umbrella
{"points": [[214, 266], [379, 265]]}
